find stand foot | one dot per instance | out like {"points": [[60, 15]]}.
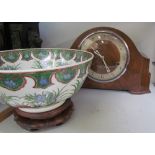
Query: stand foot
{"points": [[37, 121]]}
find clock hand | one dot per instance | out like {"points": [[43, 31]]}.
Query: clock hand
{"points": [[102, 57]]}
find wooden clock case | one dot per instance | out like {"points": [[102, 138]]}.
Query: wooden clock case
{"points": [[136, 79]]}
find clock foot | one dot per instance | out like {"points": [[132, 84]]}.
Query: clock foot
{"points": [[140, 91]]}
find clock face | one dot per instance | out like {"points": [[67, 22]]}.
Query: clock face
{"points": [[111, 55]]}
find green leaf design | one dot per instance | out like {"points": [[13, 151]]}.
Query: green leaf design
{"points": [[81, 56], [46, 98], [26, 55], [42, 79], [56, 53], [67, 55], [43, 99], [12, 81], [83, 69], [8, 67], [66, 75], [37, 65], [12, 56], [42, 65], [51, 97], [77, 85], [4, 99], [40, 53]]}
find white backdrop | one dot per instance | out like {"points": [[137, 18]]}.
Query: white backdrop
{"points": [[61, 34]]}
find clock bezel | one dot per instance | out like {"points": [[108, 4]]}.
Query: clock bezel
{"points": [[123, 42]]}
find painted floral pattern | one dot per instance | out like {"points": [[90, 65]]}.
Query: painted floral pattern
{"points": [[66, 75], [42, 54], [67, 55], [83, 69], [11, 56], [46, 98], [57, 57], [12, 82], [26, 55], [10, 67], [4, 99], [44, 81], [43, 99]]}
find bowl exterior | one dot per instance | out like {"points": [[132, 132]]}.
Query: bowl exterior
{"points": [[43, 88]]}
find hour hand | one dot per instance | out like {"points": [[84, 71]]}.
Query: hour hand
{"points": [[103, 60]]}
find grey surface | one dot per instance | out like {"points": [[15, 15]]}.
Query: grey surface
{"points": [[103, 111]]}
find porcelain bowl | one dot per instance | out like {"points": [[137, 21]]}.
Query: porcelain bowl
{"points": [[39, 80]]}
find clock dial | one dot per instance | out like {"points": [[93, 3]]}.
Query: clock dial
{"points": [[111, 55]]}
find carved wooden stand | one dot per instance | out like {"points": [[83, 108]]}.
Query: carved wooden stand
{"points": [[37, 121]]}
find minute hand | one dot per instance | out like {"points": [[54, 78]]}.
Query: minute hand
{"points": [[102, 57]]}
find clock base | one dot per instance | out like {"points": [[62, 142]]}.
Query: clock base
{"points": [[135, 80]]}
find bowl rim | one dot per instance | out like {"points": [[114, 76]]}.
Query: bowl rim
{"points": [[47, 69]]}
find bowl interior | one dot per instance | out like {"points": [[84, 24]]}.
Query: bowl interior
{"points": [[30, 59]]}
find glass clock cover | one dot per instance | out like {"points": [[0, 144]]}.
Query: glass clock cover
{"points": [[111, 55]]}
